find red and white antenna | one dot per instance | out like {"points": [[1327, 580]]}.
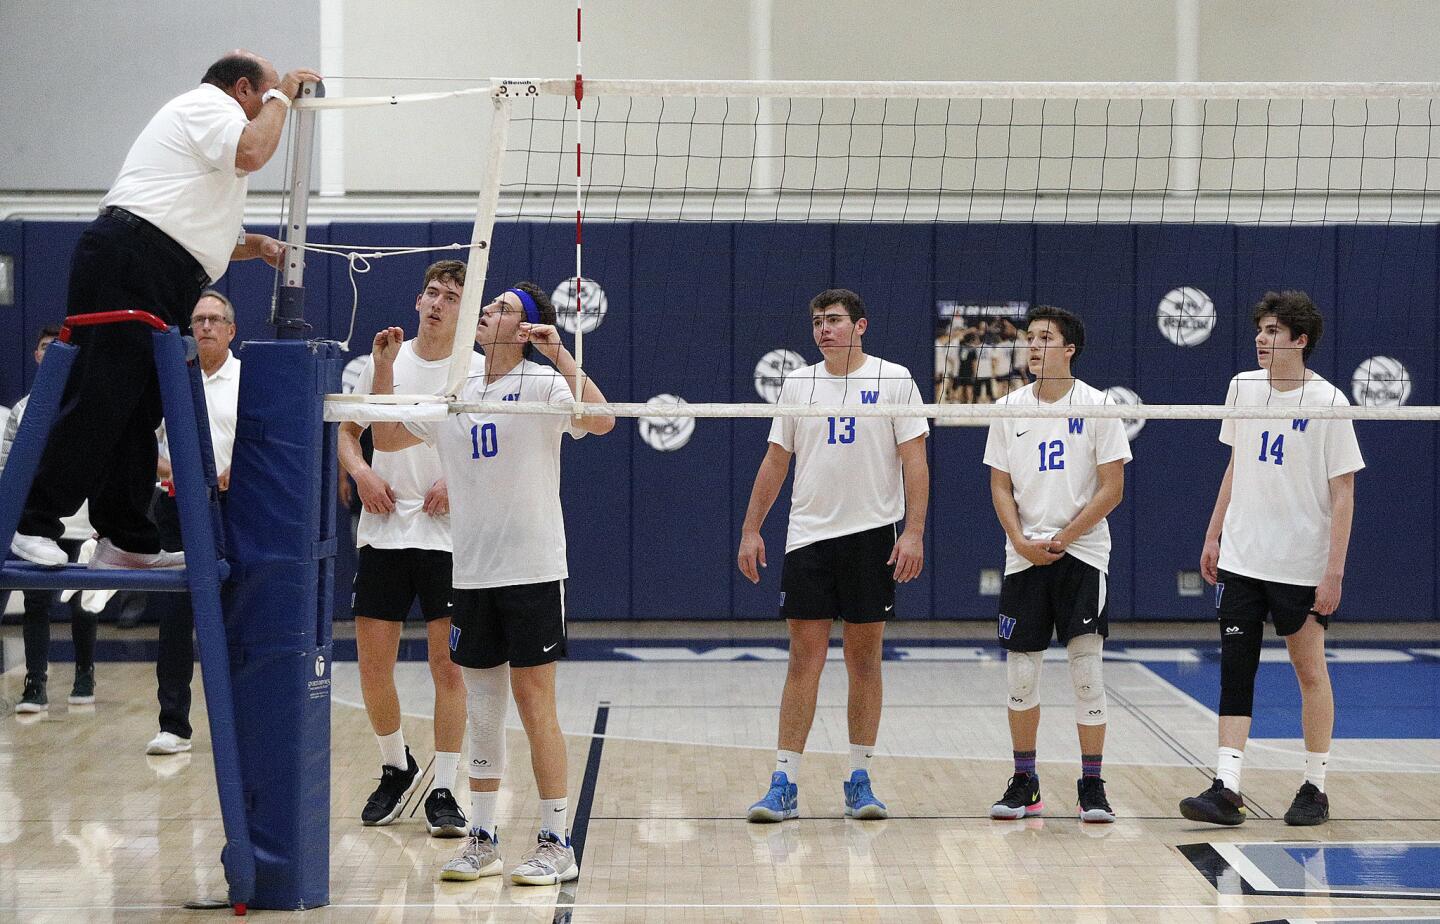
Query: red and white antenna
{"points": [[579, 216]]}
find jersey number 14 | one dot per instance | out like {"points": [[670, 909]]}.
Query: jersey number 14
{"points": [[1274, 449]]}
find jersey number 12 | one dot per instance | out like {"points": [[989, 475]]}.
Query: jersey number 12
{"points": [[1052, 456]]}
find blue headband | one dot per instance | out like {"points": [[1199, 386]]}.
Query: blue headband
{"points": [[532, 314]]}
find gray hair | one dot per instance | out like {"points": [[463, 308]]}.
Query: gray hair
{"points": [[224, 303]]}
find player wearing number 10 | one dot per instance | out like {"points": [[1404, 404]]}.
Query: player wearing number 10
{"points": [[508, 628], [855, 477], [1276, 548], [1053, 481]]}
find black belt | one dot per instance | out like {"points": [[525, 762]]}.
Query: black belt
{"points": [[159, 238]]}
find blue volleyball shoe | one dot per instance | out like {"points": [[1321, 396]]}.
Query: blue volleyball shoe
{"points": [[860, 802], [781, 803]]}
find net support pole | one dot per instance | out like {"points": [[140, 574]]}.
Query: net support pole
{"points": [[480, 238], [579, 214], [287, 312]]}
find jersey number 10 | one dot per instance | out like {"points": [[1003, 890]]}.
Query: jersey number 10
{"points": [[483, 441]]}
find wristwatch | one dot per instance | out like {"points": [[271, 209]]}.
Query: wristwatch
{"points": [[274, 93]]}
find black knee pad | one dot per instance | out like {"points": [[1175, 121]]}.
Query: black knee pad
{"points": [[1239, 660]]}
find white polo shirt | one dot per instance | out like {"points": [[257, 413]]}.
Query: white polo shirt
{"points": [[222, 400], [848, 476], [1277, 527], [180, 175], [1053, 465]]}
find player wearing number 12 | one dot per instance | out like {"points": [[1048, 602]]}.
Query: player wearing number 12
{"points": [[508, 628], [855, 477], [1276, 548], [1053, 481]]}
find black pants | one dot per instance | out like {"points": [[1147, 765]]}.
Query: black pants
{"points": [[102, 446], [175, 661], [36, 625]]}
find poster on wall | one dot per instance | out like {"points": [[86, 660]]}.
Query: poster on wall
{"points": [[980, 353]]}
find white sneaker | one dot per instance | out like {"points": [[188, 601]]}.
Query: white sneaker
{"points": [[479, 857], [109, 556], [551, 862], [167, 743], [39, 550]]}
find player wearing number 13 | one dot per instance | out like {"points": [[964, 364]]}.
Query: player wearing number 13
{"points": [[855, 477], [508, 628], [1276, 548], [1053, 481]]}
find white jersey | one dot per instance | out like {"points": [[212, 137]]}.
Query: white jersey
{"points": [[504, 476], [409, 472], [847, 469], [1277, 527], [1053, 466]]}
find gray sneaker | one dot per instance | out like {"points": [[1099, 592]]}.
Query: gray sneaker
{"points": [[479, 857], [549, 863]]}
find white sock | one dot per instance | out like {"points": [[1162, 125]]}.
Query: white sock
{"points": [[1315, 762], [1227, 768], [860, 755], [788, 763], [555, 816], [446, 763], [482, 810], [392, 749]]}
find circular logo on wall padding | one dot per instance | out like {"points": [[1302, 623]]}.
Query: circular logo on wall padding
{"points": [[771, 370], [1186, 316], [592, 301], [665, 434], [1381, 381], [1119, 394]]}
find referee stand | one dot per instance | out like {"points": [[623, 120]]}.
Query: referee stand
{"points": [[265, 669]]}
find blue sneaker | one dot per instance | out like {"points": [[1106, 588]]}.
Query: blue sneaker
{"points": [[860, 802], [781, 803]]}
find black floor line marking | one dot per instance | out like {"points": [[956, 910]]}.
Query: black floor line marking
{"points": [[569, 892]]}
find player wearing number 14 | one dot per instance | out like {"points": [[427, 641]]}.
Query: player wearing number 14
{"points": [[1276, 548]]}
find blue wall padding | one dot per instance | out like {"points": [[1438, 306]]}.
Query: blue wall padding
{"points": [[279, 528], [654, 535]]}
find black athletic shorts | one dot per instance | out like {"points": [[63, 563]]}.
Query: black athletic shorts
{"points": [[1065, 599], [522, 624], [841, 578], [1241, 599], [387, 581]]}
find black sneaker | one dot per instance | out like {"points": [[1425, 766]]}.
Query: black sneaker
{"points": [[82, 691], [1216, 805], [443, 816], [33, 699], [1311, 807], [388, 799], [1022, 798], [1093, 804]]}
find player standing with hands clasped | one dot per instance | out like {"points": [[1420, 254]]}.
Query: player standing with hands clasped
{"points": [[1053, 481]]}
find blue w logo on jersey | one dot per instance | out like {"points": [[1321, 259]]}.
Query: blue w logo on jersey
{"points": [[870, 397], [1077, 424], [1299, 425], [1007, 625], [514, 397]]}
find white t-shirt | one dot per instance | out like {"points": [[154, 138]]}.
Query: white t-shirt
{"points": [[410, 472], [1277, 527], [222, 401], [180, 175], [847, 469], [1052, 463], [504, 476]]}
